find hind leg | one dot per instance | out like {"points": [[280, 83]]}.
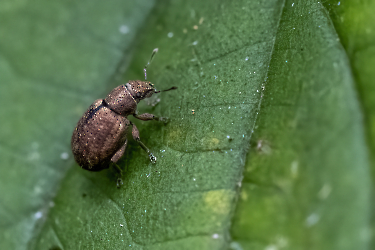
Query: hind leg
{"points": [[115, 159]]}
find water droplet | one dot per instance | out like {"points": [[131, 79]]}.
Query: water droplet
{"points": [[324, 192], [294, 169], [170, 34], [64, 156], [271, 247], [312, 219], [38, 215], [124, 29], [152, 158], [235, 246]]}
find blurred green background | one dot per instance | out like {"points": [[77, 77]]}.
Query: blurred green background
{"points": [[270, 143]]}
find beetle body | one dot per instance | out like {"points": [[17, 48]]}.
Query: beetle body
{"points": [[100, 135]]}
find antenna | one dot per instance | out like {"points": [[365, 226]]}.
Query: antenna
{"points": [[166, 89], [149, 61]]}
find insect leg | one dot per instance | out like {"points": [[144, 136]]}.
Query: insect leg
{"points": [[114, 160], [147, 117], [135, 133], [119, 153]]}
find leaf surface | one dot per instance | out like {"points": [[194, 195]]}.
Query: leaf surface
{"points": [[307, 181], [265, 148], [55, 58], [218, 60]]}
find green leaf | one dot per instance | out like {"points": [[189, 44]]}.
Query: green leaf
{"points": [[55, 58], [307, 179], [266, 147]]}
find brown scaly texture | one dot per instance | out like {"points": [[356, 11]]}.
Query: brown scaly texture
{"points": [[99, 134], [121, 101]]}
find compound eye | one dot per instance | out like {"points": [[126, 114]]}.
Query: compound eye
{"points": [[138, 94]]}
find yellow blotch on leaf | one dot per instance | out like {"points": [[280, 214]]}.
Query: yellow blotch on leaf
{"points": [[211, 142], [219, 201], [174, 134]]}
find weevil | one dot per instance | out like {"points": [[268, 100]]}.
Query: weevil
{"points": [[100, 137]]}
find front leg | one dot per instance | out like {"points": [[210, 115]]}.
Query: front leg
{"points": [[147, 117]]}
